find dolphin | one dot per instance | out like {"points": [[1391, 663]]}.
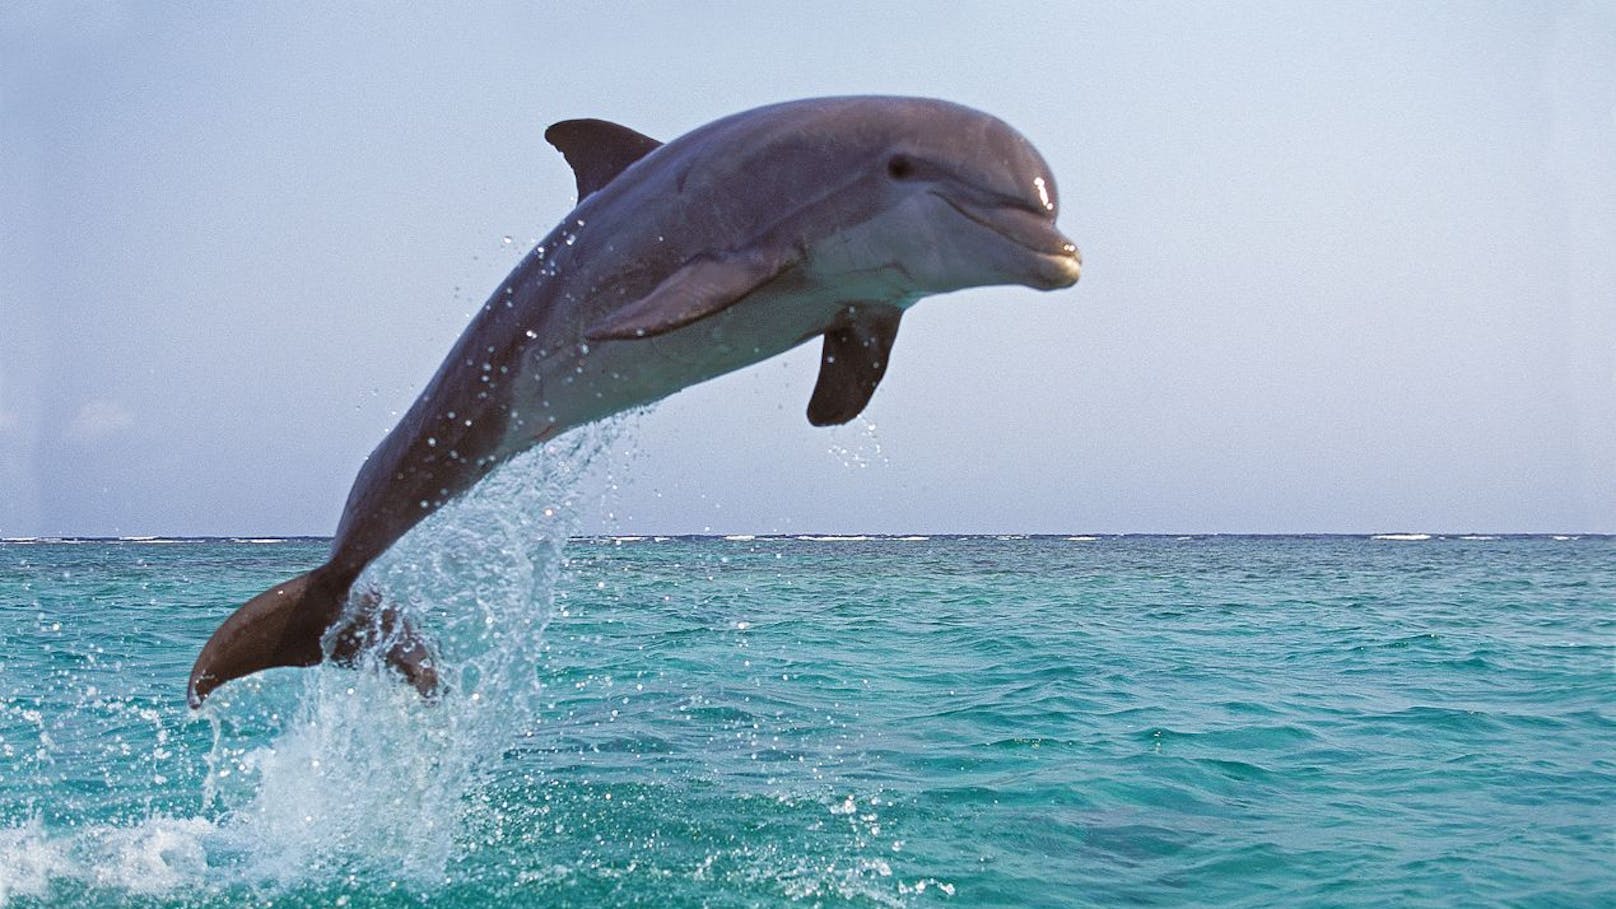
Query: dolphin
{"points": [[682, 261]]}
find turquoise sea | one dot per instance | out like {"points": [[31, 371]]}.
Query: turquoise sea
{"points": [[849, 721]]}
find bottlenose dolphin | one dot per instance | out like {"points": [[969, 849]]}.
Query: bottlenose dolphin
{"points": [[681, 262]]}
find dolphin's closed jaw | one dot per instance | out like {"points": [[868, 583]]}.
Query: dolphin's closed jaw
{"points": [[1064, 270], [1057, 264]]}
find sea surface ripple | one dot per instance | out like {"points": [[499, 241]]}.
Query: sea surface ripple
{"points": [[873, 721]]}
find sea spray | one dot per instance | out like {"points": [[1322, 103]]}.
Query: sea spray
{"points": [[364, 777]]}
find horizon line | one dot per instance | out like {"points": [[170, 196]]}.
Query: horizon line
{"points": [[830, 536]]}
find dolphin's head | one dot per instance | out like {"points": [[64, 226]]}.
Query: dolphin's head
{"points": [[971, 203], [937, 196]]}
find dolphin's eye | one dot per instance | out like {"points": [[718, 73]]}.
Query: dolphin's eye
{"points": [[900, 167]]}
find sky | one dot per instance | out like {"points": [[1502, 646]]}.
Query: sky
{"points": [[1348, 267]]}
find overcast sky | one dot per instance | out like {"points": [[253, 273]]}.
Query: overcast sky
{"points": [[1348, 267]]}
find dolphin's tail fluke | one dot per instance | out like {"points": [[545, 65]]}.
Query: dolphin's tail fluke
{"points": [[286, 626], [280, 627]]}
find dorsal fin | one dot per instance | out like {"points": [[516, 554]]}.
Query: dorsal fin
{"points": [[598, 150], [852, 362]]}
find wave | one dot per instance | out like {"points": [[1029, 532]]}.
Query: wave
{"points": [[157, 856], [1082, 539], [835, 538], [740, 537], [1402, 537]]}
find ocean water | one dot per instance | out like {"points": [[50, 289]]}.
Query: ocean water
{"points": [[928, 721]]}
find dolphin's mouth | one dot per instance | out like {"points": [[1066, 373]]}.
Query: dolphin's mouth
{"points": [[1030, 231]]}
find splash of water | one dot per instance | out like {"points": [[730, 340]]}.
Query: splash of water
{"points": [[857, 446], [362, 776]]}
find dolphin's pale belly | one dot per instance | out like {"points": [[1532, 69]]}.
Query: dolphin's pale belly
{"points": [[589, 381]]}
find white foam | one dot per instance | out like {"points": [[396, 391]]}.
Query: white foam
{"points": [[912, 539], [834, 538], [1083, 539], [1478, 537], [740, 537], [1402, 537], [157, 856], [28, 861]]}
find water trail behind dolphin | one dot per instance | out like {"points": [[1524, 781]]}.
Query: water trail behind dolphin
{"points": [[359, 775]]}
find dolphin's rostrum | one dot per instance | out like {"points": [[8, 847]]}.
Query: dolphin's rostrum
{"points": [[681, 262]]}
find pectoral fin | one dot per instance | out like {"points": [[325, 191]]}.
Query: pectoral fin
{"points": [[852, 363], [702, 287]]}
